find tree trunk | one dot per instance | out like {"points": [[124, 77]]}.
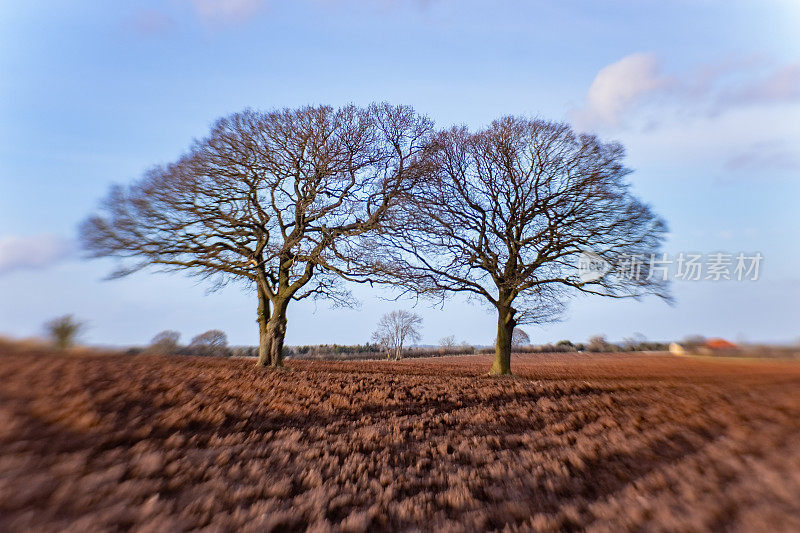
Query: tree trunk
{"points": [[276, 329], [397, 352], [264, 340], [502, 350]]}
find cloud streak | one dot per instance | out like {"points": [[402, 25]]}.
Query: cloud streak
{"points": [[33, 252], [164, 21], [638, 80], [762, 157], [780, 86], [215, 11], [151, 22]]}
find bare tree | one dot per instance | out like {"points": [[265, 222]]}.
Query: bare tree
{"points": [[395, 329], [448, 342], [635, 341], [276, 200], [212, 342], [165, 342], [64, 331], [504, 215], [519, 338]]}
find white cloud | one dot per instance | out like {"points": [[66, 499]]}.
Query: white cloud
{"points": [[32, 252], [619, 87], [623, 87]]}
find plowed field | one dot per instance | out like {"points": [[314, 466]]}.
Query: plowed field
{"points": [[605, 442]]}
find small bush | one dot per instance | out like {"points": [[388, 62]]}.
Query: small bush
{"points": [[64, 331], [566, 346], [598, 343]]}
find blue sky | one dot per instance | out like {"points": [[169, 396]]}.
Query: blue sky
{"points": [[704, 94]]}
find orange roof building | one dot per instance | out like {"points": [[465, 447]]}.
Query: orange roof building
{"points": [[720, 344]]}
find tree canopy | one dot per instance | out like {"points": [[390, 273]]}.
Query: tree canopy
{"points": [[395, 329], [291, 202], [504, 214], [273, 199]]}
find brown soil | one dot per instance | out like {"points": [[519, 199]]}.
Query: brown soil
{"points": [[604, 442]]}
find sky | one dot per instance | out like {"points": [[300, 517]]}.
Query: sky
{"points": [[704, 95]]}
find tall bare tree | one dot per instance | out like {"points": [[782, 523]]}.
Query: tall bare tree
{"points": [[395, 329], [503, 216], [274, 199]]}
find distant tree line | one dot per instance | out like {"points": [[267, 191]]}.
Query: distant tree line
{"points": [[393, 330], [335, 348], [213, 343]]}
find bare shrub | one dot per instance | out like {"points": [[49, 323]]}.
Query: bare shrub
{"points": [[212, 342], [598, 343], [166, 342], [448, 342]]}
